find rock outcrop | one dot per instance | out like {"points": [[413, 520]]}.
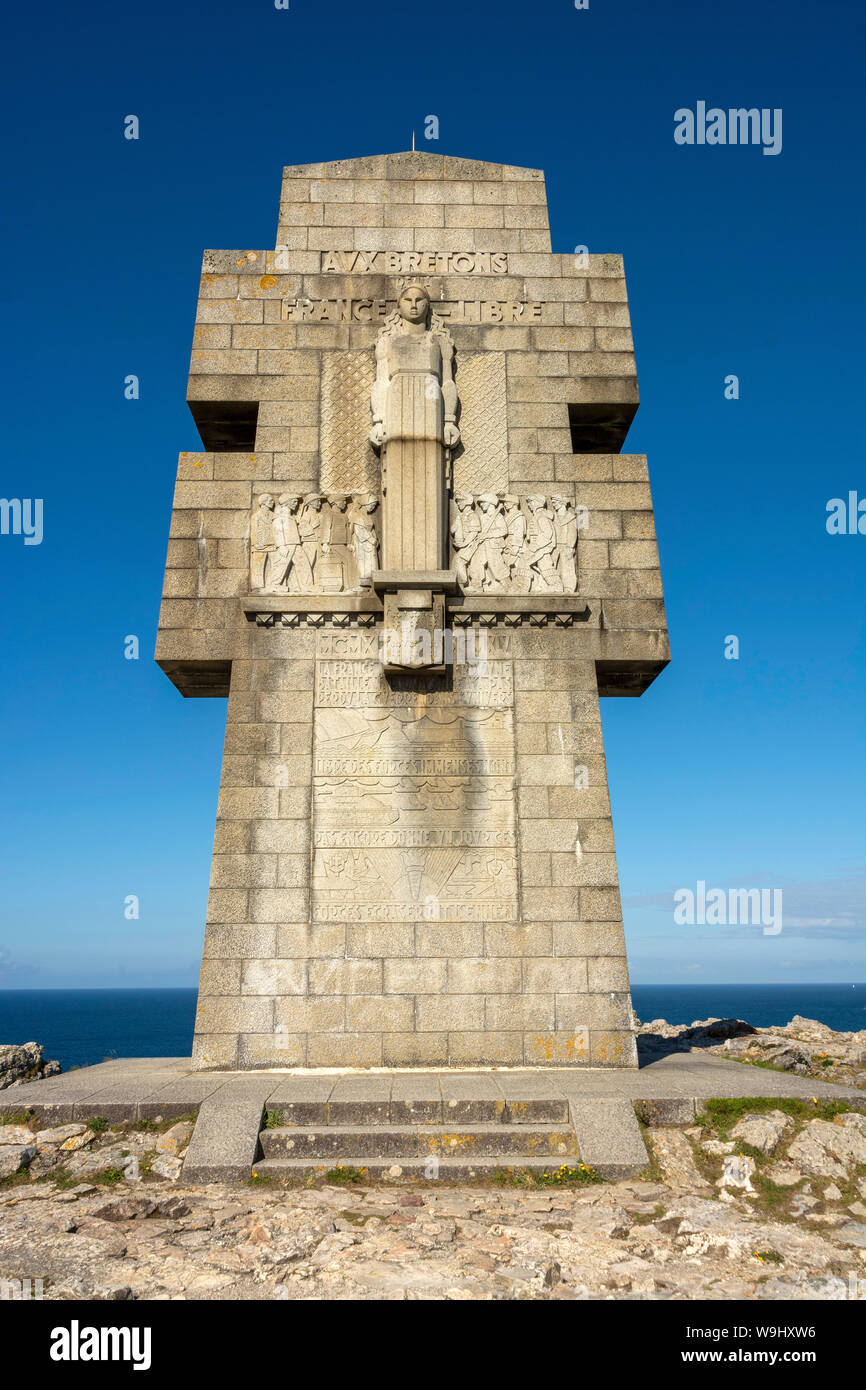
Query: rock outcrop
{"points": [[24, 1062], [804, 1046]]}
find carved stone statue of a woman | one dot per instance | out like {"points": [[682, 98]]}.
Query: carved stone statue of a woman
{"points": [[414, 406]]}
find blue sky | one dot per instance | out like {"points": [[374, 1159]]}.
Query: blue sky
{"points": [[746, 773]]}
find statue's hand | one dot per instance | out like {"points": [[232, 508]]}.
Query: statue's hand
{"points": [[452, 435], [377, 435]]}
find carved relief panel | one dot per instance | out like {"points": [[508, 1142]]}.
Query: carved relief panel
{"points": [[313, 544], [413, 815], [507, 544]]}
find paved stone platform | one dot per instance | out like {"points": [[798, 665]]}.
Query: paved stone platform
{"points": [[143, 1087], [376, 1118]]}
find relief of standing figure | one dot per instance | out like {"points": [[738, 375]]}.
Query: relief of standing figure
{"points": [[465, 528], [337, 565], [309, 527], [515, 521], [525, 545], [365, 542], [565, 525], [290, 567], [414, 408], [540, 546], [487, 566], [262, 541]]}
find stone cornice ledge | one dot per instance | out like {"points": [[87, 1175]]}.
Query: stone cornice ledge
{"points": [[291, 610], [512, 609]]}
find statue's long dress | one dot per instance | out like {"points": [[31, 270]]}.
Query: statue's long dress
{"points": [[414, 510]]}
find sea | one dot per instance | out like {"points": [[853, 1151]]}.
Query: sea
{"points": [[78, 1027]]}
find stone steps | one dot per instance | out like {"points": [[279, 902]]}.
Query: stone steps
{"points": [[428, 1168], [467, 1135], [398, 1142], [354, 1105]]}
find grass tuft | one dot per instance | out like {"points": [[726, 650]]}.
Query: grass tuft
{"points": [[345, 1173], [568, 1175], [109, 1178], [721, 1115]]}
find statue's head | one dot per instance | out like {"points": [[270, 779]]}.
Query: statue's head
{"points": [[266, 502], [313, 501], [414, 303], [289, 500]]}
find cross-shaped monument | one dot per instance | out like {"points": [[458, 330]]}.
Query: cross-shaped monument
{"points": [[413, 557]]}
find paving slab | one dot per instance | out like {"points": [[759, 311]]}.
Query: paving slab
{"points": [[38, 1093], [225, 1141], [181, 1096], [121, 1100], [55, 1088], [425, 1083], [173, 1064], [707, 1077], [302, 1099], [608, 1136], [668, 1110], [416, 1099], [531, 1099], [360, 1100], [471, 1098], [53, 1103]]}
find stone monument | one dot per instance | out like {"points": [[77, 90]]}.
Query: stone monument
{"points": [[413, 558]]}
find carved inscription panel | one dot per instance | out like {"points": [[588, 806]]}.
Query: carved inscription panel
{"points": [[413, 795], [359, 684], [344, 309], [415, 262]]}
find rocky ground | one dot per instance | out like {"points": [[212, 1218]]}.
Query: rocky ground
{"points": [[759, 1199], [804, 1046]]}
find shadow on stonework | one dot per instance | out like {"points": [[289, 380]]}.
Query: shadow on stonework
{"points": [[666, 1038]]}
